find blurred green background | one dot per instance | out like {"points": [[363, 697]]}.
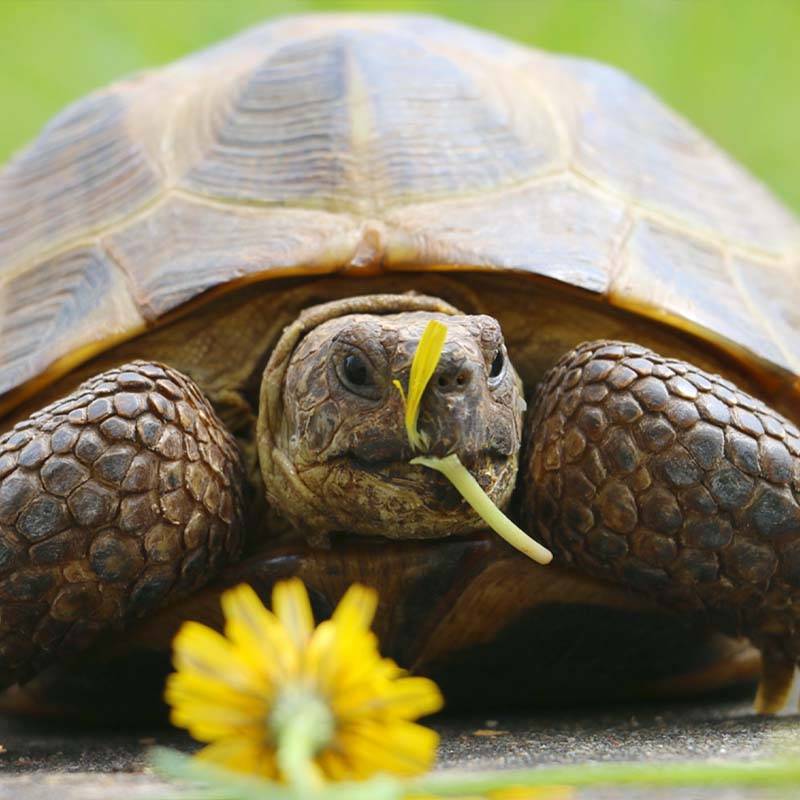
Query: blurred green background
{"points": [[731, 66]]}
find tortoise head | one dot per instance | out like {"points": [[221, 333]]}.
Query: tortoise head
{"points": [[332, 441]]}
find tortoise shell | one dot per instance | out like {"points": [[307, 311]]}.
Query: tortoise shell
{"points": [[378, 146], [367, 144]]}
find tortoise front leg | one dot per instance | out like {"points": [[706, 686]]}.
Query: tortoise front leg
{"points": [[650, 472], [112, 500]]}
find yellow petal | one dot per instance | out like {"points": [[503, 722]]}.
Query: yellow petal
{"points": [[197, 648], [533, 793], [263, 641], [322, 662], [407, 698], [216, 721], [209, 714], [208, 723], [207, 729], [342, 658], [343, 648], [358, 681], [292, 607], [334, 766], [401, 747], [426, 357], [242, 755], [202, 689], [357, 608]]}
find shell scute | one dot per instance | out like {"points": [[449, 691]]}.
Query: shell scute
{"points": [[81, 174], [50, 311]]}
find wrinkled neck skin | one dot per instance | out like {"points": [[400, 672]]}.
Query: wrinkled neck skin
{"points": [[332, 441]]}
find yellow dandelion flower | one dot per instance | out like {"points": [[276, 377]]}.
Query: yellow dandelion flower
{"points": [[274, 680]]}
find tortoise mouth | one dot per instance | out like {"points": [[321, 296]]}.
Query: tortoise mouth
{"points": [[431, 489], [474, 462], [485, 467], [395, 499]]}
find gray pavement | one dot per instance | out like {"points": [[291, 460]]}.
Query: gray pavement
{"points": [[40, 761]]}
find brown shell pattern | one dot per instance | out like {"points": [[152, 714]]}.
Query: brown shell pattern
{"points": [[365, 143]]}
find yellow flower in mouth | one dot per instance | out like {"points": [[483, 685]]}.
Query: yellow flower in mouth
{"points": [[423, 365], [248, 692], [426, 358]]}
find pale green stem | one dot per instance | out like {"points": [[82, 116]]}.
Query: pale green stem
{"points": [[302, 725], [296, 754], [471, 491], [784, 771], [217, 783]]}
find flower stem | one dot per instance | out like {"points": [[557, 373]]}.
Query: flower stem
{"points": [[782, 771], [452, 468], [302, 725]]}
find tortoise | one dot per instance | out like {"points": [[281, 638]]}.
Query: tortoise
{"points": [[210, 275]]}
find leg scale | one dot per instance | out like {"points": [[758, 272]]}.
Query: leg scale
{"points": [[113, 501], [651, 472]]}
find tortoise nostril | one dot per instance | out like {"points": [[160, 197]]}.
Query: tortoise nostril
{"points": [[450, 379]]}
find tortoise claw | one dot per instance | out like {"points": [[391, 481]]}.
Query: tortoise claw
{"points": [[775, 685]]}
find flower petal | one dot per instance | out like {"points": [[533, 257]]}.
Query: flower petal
{"points": [[426, 358], [242, 755], [400, 747], [202, 689], [209, 712], [406, 698], [334, 766], [263, 641], [357, 608], [338, 658], [555, 792], [197, 648], [293, 608]]}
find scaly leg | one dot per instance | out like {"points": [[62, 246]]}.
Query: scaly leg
{"points": [[112, 500], [648, 471]]}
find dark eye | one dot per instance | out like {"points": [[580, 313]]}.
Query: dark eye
{"points": [[357, 374], [356, 371], [497, 364]]}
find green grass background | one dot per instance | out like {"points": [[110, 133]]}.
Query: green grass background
{"points": [[731, 66]]}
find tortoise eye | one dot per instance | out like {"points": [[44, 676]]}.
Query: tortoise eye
{"points": [[356, 371], [497, 365], [357, 375], [359, 371]]}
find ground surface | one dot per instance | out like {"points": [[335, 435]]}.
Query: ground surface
{"points": [[41, 762]]}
